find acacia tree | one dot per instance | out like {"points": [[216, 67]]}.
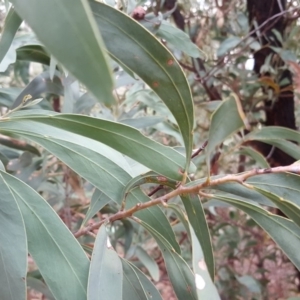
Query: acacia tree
{"points": [[97, 150]]}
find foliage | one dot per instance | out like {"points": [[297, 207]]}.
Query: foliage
{"points": [[100, 188]]}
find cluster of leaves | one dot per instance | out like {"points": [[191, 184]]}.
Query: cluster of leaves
{"points": [[124, 96]]}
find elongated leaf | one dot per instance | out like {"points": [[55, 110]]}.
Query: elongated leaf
{"points": [[197, 220], [204, 284], [132, 286], [238, 190], [150, 177], [33, 53], [13, 244], [179, 39], [11, 26], [8, 96], [106, 175], [105, 276], [39, 85], [142, 53], [273, 133], [181, 276], [284, 185], [73, 41], [154, 217], [181, 216], [225, 121], [287, 207], [123, 138], [283, 231], [16, 144], [94, 167], [1, 165], [148, 262], [260, 159], [151, 291], [49, 240], [98, 201], [278, 136], [143, 122], [286, 146], [39, 286], [228, 44]]}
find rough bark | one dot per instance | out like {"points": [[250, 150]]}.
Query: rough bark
{"points": [[280, 109]]}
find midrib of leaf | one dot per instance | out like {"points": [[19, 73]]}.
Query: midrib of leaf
{"points": [[137, 277], [260, 211], [135, 291], [275, 185], [55, 141], [57, 245], [153, 57], [170, 248], [100, 129]]}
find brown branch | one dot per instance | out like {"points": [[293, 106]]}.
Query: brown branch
{"points": [[239, 178]]}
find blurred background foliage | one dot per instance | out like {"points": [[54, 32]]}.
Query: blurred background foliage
{"points": [[216, 44]]}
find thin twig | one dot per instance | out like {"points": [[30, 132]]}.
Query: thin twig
{"points": [[158, 188], [194, 189], [198, 151]]}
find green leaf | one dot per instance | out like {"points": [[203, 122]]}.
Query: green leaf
{"points": [[132, 286], [284, 185], [105, 276], [151, 291], [11, 26], [273, 133], [33, 53], [39, 85], [153, 217], [149, 177], [106, 175], [196, 217], [148, 262], [180, 274], [49, 240], [179, 39], [287, 207], [73, 41], [283, 231], [226, 120], [13, 244], [252, 284], [204, 284], [8, 96], [278, 137], [124, 139], [2, 166], [228, 44], [286, 146], [143, 122], [181, 216], [260, 159], [98, 201], [237, 190], [142, 53], [39, 286]]}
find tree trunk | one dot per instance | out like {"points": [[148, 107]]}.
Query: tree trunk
{"points": [[280, 109]]}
